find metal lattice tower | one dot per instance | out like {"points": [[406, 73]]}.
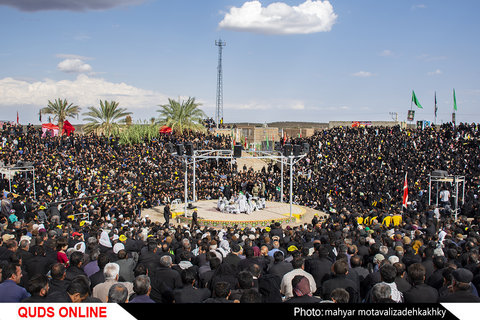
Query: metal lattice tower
{"points": [[219, 107]]}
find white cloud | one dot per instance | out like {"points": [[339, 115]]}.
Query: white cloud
{"points": [[419, 6], [435, 73], [70, 5], [310, 16], [363, 74], [84, 91], [74, 66], [386, 53]]}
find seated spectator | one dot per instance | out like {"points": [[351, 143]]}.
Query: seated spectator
{"points": [[111, 272], [10, 291], [117, 293], [142, 289], [221, 293], [420, 292], [461, 288], [38, 288], [189, 293], [301, 291], [382, 293]]}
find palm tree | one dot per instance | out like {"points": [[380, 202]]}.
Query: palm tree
{"points": [[61, 110], [182, 116], [105, 119]]}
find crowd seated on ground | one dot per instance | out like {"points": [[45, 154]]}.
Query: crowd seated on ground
{"points": [[79, 234]]}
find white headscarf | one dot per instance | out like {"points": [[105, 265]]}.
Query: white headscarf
{"points": [[105, 240]]}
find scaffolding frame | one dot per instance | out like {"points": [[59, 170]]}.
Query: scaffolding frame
{"points": [[12, 171], [199, 155], [453, 180]]}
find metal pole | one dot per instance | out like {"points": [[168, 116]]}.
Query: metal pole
{"points": [[10, 179], [186, 190], [281, 183], [429, 190], [194, 180], [291, 184], [456, 199], [34, 190]]}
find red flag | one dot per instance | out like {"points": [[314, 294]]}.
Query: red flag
{"points": [[405, 192], [17, 117]]}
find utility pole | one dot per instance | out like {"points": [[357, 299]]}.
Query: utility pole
{"points": [[219, 106]]}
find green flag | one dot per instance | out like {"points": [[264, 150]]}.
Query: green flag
{"points": [[268, 144], [415, 100], [454, 101]]}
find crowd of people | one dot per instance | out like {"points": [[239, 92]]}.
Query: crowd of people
{"points": [[78, 233]]}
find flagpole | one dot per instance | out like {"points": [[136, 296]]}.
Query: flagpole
{"points": [[435, 108]]}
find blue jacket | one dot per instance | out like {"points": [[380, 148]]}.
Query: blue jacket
{"points": [[12, 292]]}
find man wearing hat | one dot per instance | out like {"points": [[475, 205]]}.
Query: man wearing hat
{"points": [[461, 288]]}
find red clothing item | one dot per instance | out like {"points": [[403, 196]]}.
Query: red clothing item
{"points": [[62, 258]]}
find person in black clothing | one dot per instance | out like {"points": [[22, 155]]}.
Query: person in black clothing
{"points": [[58, 283], [76, 266], [221, 293], [166, 214], [420, 292], [189, 293], [461, 288], [38, 288]]}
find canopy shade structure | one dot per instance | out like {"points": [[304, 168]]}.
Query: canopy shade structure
{"points": [[165, 129]]}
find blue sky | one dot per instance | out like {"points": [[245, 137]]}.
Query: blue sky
{"points": [[300, 60]]}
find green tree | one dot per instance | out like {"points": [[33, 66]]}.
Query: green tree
{"points": [[182, 116], [61, 110], [106, 118]]}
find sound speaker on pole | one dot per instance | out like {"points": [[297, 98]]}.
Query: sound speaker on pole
{"points": [[170, 148], [297, 149], [237, 151], [180, 149], [287, 150], [189, 149], [306, 148]]}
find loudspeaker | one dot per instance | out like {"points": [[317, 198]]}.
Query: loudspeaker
{"points": [[278, 146], [287, 150], [180, 149], [297, 149], [170, 148], [306, 148], [189, 149], [237, 151]]}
